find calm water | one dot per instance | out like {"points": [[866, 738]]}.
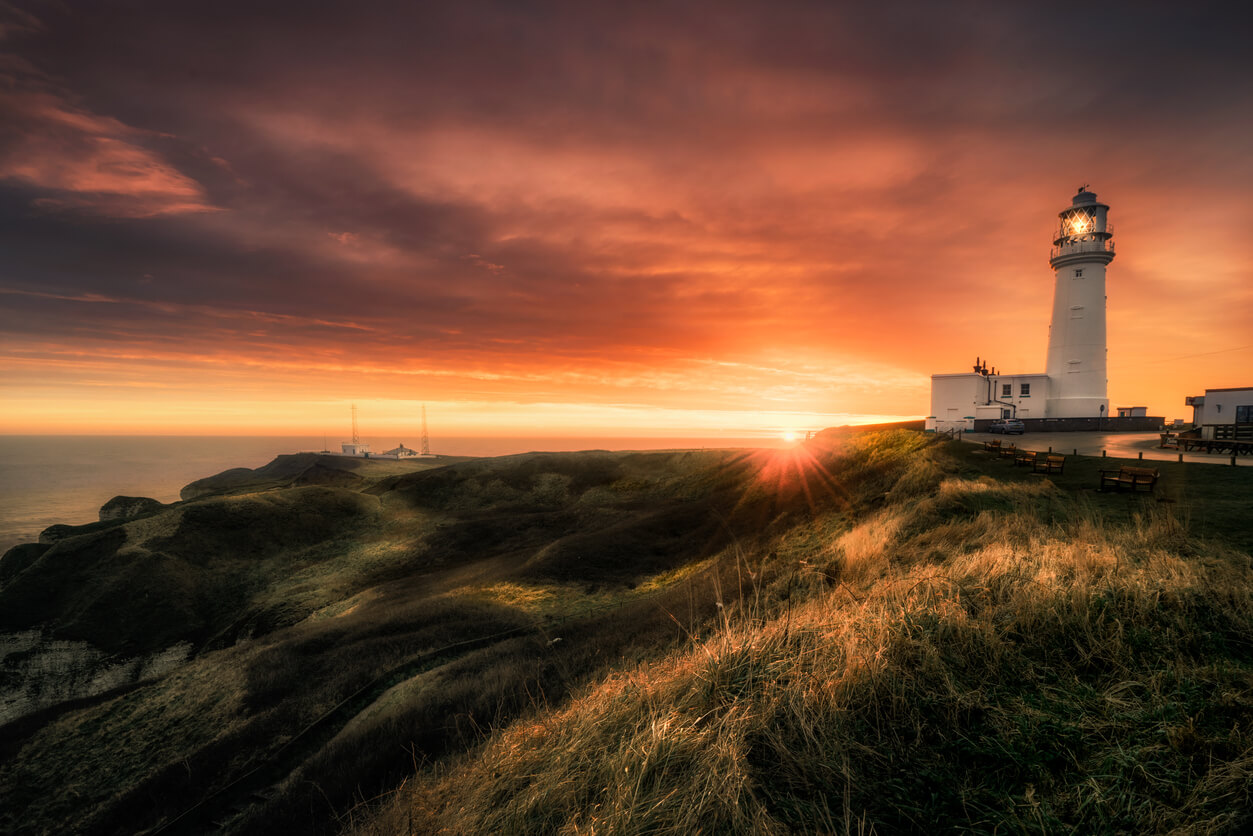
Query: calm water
{"points": [[65, 479]]}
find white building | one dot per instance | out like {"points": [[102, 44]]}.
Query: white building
{"points": [[959, 399], [1074, 384], [1223, 413]]}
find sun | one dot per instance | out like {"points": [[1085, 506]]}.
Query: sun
{"points": [[791, 435]]}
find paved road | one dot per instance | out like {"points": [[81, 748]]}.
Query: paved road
{"points": [[1116, 445]]}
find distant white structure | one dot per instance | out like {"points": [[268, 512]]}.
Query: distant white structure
{"points": [[1133, 411], [361, 450], [1223, 413], [355, 447], [1075, 383], [401, 452]]}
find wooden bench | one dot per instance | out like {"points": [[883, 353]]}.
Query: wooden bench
{"points": [[1008, 452], [1131, 478], [992, 446], [1049, 464], [1025, 457]]}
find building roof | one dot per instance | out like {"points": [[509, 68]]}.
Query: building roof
{"points": [[989, 374]]}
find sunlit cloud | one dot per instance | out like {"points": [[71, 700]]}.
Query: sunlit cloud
{"points": [[80, 161]]}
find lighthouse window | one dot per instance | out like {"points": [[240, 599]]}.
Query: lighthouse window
{"points": [[1079, 273], [1024, 390], [1006, 389]]}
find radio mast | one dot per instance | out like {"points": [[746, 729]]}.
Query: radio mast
{"points": [[426, 441], [356, 439]]}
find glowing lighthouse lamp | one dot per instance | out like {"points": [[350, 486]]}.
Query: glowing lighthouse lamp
{"points": [[1082, 247]]}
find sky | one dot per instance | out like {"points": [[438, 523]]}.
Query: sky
{"points": [[686, 218]]}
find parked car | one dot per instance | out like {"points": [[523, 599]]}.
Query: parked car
{"points": [[1007, 427]]}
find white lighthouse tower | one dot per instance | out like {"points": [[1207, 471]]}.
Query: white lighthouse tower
{"points": [[1083, 246]]}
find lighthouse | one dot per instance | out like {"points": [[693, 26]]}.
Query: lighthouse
{"points": [[1073, 391], [1076, 366]]}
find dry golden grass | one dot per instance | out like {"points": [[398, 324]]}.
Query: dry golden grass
{"points": [[976, 656]]}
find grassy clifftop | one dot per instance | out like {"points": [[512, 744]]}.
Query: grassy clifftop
{"points": [[876, 631], [981, 650]]}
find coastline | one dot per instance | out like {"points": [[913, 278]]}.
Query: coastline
{"points": [[57, 479]]}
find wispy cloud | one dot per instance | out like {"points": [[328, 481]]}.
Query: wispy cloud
{"points": [[80, 161]]}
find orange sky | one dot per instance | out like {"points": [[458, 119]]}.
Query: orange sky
{"points": [[564, 221]]}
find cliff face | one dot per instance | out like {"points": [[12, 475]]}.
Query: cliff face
{"points": [[40, 672]]}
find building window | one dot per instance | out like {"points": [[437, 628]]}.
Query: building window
{"points": [[1079, 273], [1024, 390], [1006, 389], [1244, 414], [1007, 413]]}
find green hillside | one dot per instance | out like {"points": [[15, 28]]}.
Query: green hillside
{"points": [[876, 631]]}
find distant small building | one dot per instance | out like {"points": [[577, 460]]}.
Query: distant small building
{"points": [[401, 452], [1223, 413], [1133, 412]]}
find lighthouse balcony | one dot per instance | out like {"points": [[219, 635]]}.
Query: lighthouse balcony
{"points": [[1087, 249], [1083, 246]]}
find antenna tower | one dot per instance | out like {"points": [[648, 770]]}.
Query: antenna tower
{"points": [[356, 439], [426, 441]]}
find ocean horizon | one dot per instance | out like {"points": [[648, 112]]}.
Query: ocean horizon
{"points": [[50, 479]]}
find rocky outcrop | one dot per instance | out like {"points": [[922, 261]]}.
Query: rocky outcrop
{"points": [[56, 533], [128, 508]]}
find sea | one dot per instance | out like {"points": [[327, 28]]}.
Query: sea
{"points": [[66, 478]]}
